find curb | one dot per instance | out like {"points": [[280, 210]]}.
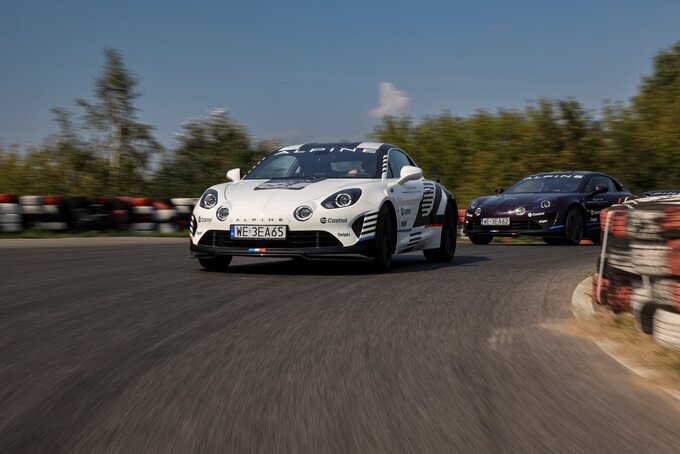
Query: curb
{"points": [[582, 299]]}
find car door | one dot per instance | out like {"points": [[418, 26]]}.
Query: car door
{"points": [[595, 204], [407, 197]]}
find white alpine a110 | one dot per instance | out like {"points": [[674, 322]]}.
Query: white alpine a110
{"points": [[326, 200]]}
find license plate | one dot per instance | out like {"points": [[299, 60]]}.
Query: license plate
{"points": [[496, 221], [258, 232]]}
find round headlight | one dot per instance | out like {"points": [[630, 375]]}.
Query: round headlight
{"points": [[343, 199], [210, 201], [478, 211], [545, 204], [302, 213], [473, 204], [222, 213], [519, 211]]}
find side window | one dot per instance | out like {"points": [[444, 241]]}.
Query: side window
{"points": [[395, 162], [600, 180]]}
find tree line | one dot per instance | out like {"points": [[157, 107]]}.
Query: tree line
{"points": [[108, 151]]}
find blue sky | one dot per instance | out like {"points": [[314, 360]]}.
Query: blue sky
{"points": [[312, 70]]}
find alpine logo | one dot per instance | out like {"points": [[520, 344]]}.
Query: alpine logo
{"points": [[405, 211]]}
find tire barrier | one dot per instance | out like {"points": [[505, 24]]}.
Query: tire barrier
{"points": [[11, 217], [143, 219], [54, 213], [166, 216], [461, 221], [639, 267]]}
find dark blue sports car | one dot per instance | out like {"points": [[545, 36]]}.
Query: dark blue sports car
{"points": [[560, 207]]}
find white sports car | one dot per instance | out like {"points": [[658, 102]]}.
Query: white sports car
{"points": [[326, 200]]}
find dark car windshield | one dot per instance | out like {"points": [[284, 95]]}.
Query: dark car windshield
{"points": [[318, 163], [548, 183]]}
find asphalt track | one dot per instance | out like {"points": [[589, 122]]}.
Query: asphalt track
{"points": [[125, 345]]}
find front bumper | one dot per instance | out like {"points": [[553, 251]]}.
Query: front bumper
{"points": [[310, 245], [543, 226]]}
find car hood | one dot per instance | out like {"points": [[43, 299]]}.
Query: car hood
{"points": [[288, 190], [508, 202]]}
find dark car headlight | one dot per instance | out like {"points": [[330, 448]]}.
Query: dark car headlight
{"points": [[342, 199], [208, 199]]}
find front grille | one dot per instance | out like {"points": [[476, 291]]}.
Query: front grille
{"points": [[294, 240], [514, 225]]}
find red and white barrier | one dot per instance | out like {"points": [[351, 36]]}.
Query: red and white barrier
{"points": [[11, 218]]}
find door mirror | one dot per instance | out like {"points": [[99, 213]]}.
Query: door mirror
{"points": [[599, 190], [234, 175], [409, 173], [500, 191]]}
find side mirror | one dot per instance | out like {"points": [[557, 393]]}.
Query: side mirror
{"points": [[599, 190], [500, 191], [234, 175], [409, 173]]}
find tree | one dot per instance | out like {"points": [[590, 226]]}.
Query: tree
{"points": [[208, 148], [128, 143]]}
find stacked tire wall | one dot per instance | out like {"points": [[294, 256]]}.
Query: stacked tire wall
{"points": [[639, 268], [79, 214]]}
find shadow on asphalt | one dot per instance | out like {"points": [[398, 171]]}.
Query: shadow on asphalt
{"points": [[400, 264]]}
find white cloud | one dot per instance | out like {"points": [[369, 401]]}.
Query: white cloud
{"points": [[391, 101]]}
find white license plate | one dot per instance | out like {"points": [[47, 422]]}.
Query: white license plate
{"points": [[258, 232], [496, 221]]}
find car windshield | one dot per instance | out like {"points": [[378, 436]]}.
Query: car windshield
{"points": [[318, 163], [553, 183]]}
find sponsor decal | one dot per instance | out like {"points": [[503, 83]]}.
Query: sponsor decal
{"points": [[405, 211], [561, 175], [542, 221], [594, 212], [199, 233], [468, 215], [258, 220], [330, 149], [325, 220], [343, 234], [297, 183], [411, 187], [200, 219], [404, 223], [540, 213]]}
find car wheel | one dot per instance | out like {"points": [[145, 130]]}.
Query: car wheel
{"points": [[219, 263], [553, 241], [384, 241], [481, 238], [573, 227], [447, 244]]}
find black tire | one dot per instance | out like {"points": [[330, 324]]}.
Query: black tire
{"points": [[574, 227], [219, 263], [481, 238], [447, 245], [553, 241], [384, 243]]}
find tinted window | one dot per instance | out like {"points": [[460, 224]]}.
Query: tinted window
{"points": [[546, 183], [395, 162], [601, 180], [319, 163]]}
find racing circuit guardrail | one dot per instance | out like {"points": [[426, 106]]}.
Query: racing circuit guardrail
{"points": [[639, 267], [78, 214]]}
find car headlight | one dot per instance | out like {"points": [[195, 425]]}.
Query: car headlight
{"points": [[302, 213], [474, 204], [478, 211], [545, 204], [223, 213], [342, 199], [208, 199]]}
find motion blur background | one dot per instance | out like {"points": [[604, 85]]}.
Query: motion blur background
{"points": [[159, 99]]}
